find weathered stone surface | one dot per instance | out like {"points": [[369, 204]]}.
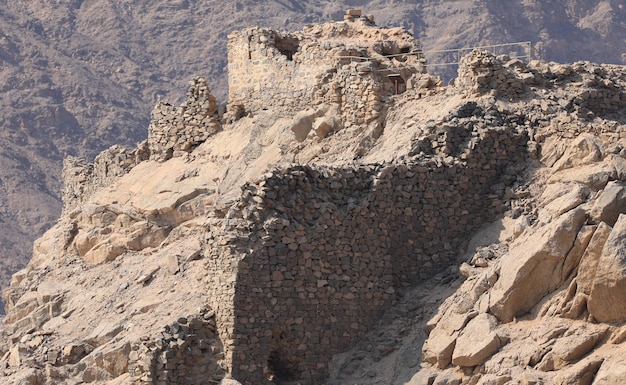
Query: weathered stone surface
{"points": [[574, 195], [575, 345], [493, 379], [594, 176], [439, 347], [104, 332], [325, 125], [104, 252], [302, 124], [612, 372], [532, 269], [477, 342], [589, 262], [448, 379], [423, 377], [606, 301], [581, 373], [582, 151], [610, 203]]}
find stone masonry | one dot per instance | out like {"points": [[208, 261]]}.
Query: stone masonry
{"points": [[320, 252], [349, 66], [185, 352], [175, 131]]}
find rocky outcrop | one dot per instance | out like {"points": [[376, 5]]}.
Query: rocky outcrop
{"points": [[606, 302], [564, 269]]}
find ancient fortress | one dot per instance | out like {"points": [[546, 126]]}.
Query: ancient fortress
{"points": [[307, 257], [310, 256]]}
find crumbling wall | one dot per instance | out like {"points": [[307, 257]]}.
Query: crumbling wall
{"points": [[172, 132], [324, 64], [176, 131], [310, 256], [82, 179], [186, 352]]}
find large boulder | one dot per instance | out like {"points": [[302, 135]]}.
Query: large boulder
{"points": [[607, 302], [610, 203], [477, 342], [583, 150], [581, 373], [303, 123], [533, 267], [612, 372], [589, 262]]}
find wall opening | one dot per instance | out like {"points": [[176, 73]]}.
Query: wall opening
{"points": [[282, 369], [287, 45]]}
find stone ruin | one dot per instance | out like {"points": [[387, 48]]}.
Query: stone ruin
{"points": [[307, 258], [348, 69], [176, 131]]}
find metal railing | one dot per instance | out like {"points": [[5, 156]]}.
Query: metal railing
{"points": [[520, 50]]}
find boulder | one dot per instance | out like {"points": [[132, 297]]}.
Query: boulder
{"points": [[589, 261], [594, 176], [583, 150], [439, 347], [323, 126], [533, 267], [477, 342], [443, 331], [612, 372], [607, 302], [423, 377], [572, 347], [448, 379], [302, 124], [104, 332], [573, 195], [493, 379], [577, 252], [580, 374], [610, 203], [104, 252]]}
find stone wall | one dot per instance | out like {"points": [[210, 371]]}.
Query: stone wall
{"points": [[187, 352], [309, 258], [176, 131], [344, 64], [82, 179], [172, 132]]}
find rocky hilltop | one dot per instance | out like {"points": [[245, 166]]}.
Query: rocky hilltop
{"points": [[314, 230]]}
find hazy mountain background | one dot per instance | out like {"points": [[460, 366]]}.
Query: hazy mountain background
{"points": [[77, 76]]}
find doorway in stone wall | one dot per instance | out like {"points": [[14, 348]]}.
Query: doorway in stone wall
{"points": [[282, 365]]}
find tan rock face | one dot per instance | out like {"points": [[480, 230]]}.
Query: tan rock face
{"points": [[477, 342], [606, 301], [534, 268], [611, 373], [610, 204]]}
